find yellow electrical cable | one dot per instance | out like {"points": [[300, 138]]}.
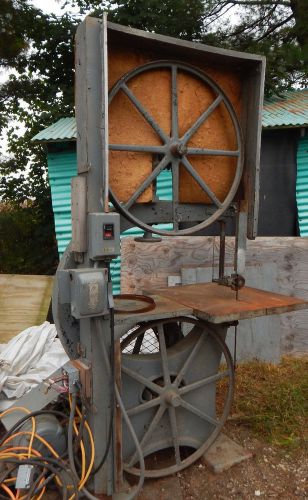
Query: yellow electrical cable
{"points": [[25, 410], [31, 451], [23, 455], [30, 447], [14, 455], [83, 453], [14, 448], [8, 491], [86, 477], [10, 480], [41, 494], [82, 448], [83, 482], [37, 436]]}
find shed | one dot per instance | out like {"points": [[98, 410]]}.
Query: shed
{"points": [[284, 171], [284, 165]]}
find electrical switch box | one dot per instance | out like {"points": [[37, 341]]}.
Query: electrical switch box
{"points": [[89, 295], [104, 235]]}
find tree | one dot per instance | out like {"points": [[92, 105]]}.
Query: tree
{"points": [[277, 29], [178, 18], [13, 40]]}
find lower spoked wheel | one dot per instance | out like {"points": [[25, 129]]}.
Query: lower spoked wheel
{"points": [[177, 394]]}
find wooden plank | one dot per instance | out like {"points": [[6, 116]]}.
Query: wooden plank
{"points": [[145, 266], [79, 214], [24, 302], [218, 304]]}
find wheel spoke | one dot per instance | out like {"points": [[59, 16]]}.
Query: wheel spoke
{"points": [[143, 407], [211, 152], [188, 362], [144, 113], [139, 148], [163, 354], [175, 436], [149, 432], [200, 181], [138, 343], [190, 132], [174, 97], [199, 413], [146, 183], [142, 380], [203, 381]]}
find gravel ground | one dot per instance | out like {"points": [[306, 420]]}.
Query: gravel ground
{"points": [[273, 472]]}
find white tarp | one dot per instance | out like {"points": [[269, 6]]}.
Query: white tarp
{"points": [[29, 358]]}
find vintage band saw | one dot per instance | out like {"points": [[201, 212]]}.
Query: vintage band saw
{"points": [[147, 104]]}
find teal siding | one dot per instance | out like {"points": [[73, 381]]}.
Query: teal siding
{"points": [[302, 185], [62, 166]]}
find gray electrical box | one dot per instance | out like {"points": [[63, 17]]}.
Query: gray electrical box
{"points": [[88, 292], [104, 235]]}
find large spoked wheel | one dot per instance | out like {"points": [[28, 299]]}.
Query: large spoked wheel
{"points": [[175, 151], [177, 397]]}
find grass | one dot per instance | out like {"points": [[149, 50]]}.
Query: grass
{"points": [[272, 400]]}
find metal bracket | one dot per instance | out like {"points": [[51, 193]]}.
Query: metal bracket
{"points": [[85, 376], [235, 281]]}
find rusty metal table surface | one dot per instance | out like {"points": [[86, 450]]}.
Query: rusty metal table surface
{"points": [[218, 304], [164, 308]]}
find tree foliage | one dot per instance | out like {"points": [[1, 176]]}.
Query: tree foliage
{"points": [[13, 38], [277, 29], [27, 241], [38, 51]]}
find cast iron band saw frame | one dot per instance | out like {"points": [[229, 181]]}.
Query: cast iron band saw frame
{"points": [[159, 393]]}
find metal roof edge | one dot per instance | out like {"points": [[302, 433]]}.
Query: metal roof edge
{"points": [[62, 130]]}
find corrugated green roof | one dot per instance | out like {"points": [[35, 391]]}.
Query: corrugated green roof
{"points": [[291, 110], [63, 130]]}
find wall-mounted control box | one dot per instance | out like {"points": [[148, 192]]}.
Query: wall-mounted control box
{"points": [[88, 292], [104, 235]]}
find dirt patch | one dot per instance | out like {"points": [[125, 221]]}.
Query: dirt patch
{"points": [[273, 472]]}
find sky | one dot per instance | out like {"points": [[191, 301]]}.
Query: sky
{"points": [[50, 6]]}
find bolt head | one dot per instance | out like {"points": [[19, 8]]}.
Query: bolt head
{"points": [[178, 149], [172, 398]]}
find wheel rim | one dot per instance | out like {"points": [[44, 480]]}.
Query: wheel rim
{"points": [[175, 150], [166, 396]]}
